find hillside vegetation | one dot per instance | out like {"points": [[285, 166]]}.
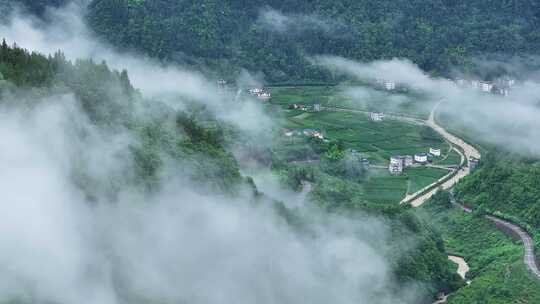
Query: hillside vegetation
{"points": [[275, 36], [194, 143]]}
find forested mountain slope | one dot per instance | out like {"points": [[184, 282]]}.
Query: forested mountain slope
{"points": [[275, 36], [192, 143]]}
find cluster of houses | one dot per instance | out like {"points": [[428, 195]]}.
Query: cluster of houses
{"points": [[501, 86], [376, 116], [399, 162], [260, 94], [298, 106], [386, 84], [306, 132]]}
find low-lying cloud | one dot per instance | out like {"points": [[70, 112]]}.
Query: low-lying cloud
{"points": [[176, 244], [282, 23], [510, 122], [66, 30]]}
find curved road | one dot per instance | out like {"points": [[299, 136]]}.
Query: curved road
{"points": [[467, 152], [528, 257], [415, 199]]}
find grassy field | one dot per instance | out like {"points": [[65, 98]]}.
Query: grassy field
{"points": [[451, 158], [421, 177], [355, 97], [377, 141], [497, 272]]}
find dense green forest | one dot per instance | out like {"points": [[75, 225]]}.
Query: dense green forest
{"points": [[276, 36]]}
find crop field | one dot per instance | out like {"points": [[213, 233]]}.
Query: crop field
{"points": [[382, 187], [354, 97], [422, 176], [376, 141], [306, 95], [452, 158]]}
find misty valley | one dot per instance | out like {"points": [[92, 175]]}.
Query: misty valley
{"points": [[269, 151]]}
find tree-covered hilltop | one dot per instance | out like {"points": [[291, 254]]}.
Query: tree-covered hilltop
{"points": [[275, 36], [109, 101]]}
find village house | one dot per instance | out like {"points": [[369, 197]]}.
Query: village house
{"points": [[297, 106], [264, 96], [388, 85], [377, 117], [317, 107], [435, 152], [313, 133], [421, 158], [505, 82], [260, 94], [503, 91], [486, 86], [396, 165], [288, 132], [255, 91]]}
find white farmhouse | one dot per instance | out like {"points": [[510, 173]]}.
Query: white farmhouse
{"points": [[421, 158], [264, 96], [486, 86], [396, 164], [435, 152], [375, 116], [389, 85]]}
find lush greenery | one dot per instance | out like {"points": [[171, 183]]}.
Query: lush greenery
{"points": [[109, 100], [194, 141], [355, 134], [507, 184], [497, 272], [437, 35], [355, 96]]}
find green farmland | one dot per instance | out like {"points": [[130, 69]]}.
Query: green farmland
{"points": [[376, 141], [354, 97]]}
